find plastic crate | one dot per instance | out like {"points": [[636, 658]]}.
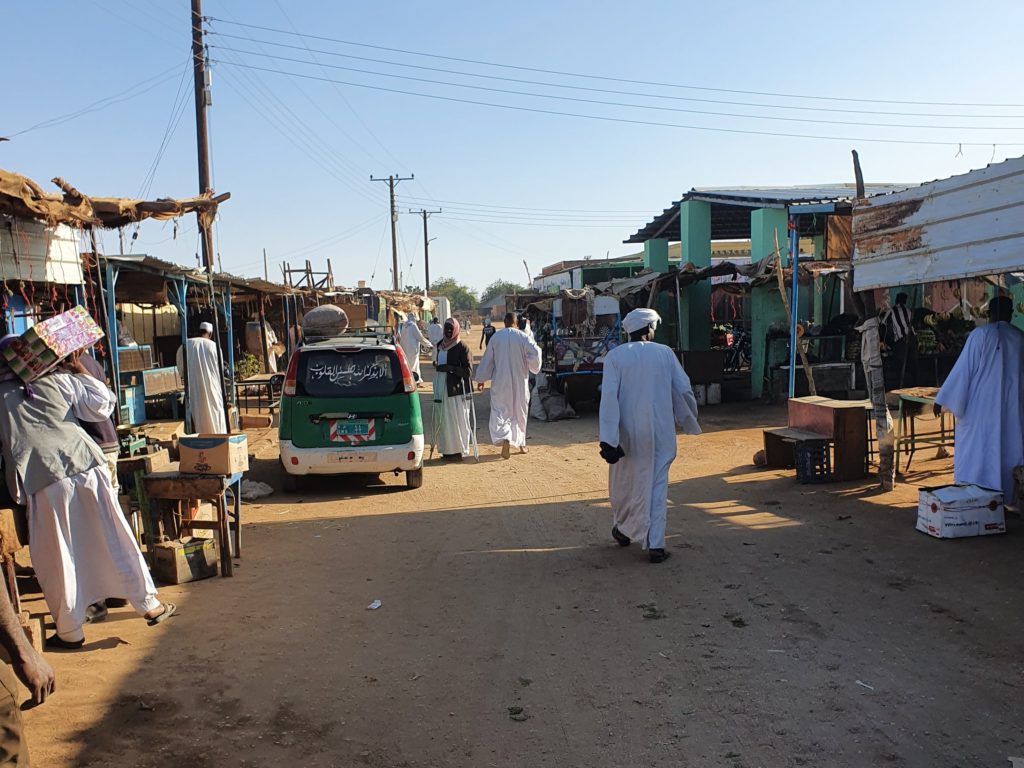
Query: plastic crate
{"points": [[813, 459]]}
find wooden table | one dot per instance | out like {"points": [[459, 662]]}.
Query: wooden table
{"points": [[841, 422], [925, 397], [175, 486]]}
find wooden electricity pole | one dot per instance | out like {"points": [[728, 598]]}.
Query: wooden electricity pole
{"points": [[204, 217], [392, 183]]}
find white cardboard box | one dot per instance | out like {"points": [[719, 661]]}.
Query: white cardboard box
{"points": [[956, 511]]}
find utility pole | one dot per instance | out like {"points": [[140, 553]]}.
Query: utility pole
{"points": [[203, 219], [392, 182], [426, 245]]}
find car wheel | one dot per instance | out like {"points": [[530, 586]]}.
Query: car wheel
{"points": [[289, 483], [414, 478]]}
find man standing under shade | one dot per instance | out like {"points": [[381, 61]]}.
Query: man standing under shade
{"points": [[985, 391], [645, 396], [204, 388]]}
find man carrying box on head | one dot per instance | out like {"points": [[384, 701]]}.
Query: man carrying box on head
{"points": [[203, 389], [82, 548]]}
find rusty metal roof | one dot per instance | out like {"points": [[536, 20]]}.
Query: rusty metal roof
{"points": [[964, 226], [731, 207]]}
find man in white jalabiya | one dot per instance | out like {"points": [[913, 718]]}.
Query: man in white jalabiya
{"points": [[510, 358], [205, 394], [435, 332], [411, 338], [82, 548], [985, 391], [645, 395]]}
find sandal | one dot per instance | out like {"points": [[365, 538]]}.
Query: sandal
{"points": [[169, 609], [57, 643], [620, 537]]}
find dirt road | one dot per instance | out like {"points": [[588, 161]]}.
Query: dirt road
{"points": [[795, 625]]}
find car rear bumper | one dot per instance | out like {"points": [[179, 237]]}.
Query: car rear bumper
{"points": [[340, 461]]}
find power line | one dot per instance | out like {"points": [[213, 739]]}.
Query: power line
{"points": [[600, 90], [605, 103], [633, 121], [96, 106], [418, 201], [618, 79], [536, 223]]}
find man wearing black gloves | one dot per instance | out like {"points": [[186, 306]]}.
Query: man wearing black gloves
{"points": [[643, 384]]}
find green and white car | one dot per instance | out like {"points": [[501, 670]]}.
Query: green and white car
{"points": [[349, 406]]}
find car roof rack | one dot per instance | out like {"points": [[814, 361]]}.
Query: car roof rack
{"points": [[379, 336]]}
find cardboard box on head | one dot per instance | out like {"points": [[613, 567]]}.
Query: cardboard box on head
{"points": [[39, 349]]}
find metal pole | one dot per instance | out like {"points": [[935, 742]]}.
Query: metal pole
{"points": [[794, 260], [426, 255], [266, 269], [392, 183]]}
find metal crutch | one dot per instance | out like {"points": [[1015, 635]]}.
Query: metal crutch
{"points": [[472, 410]]}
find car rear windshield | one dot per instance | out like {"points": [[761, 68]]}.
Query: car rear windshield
{"points": [[349, 373]]}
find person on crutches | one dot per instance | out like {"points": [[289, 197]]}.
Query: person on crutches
{"points": [[453, 410]]}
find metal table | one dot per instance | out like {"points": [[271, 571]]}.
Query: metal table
{"points": [[267, 388], [924, 396]]}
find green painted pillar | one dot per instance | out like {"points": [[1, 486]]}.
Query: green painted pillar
{"points": [[819, 247], [695, 237], [656, 255], [1017, 294], [766, 307]]}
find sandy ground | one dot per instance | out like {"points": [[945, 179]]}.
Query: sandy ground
{"points": [[795, 625]]}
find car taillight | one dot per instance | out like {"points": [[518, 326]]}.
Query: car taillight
{"points": [[408, 382], [291, 376]]}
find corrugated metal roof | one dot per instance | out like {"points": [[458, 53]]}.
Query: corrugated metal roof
{"points": [[731, 206], [964, 226]]}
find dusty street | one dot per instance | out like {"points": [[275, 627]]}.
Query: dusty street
{"points": [[795, 625]]}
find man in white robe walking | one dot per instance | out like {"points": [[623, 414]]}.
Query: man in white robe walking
{"points": [[204, 387], [645, 395], [511, 357], [82, 548], [985, 391], [410, 339]]}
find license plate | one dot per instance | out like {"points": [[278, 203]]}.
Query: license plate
{"points": [[352, 458], [352, 431]]}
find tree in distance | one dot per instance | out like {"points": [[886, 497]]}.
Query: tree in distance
{"points": [[500, 288], [461, 296]]}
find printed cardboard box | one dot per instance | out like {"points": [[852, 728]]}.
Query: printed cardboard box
{"points": [[184, 560], [45, 344], [956, 511], [213, 454]]}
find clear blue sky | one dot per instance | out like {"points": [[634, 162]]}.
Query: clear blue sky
{"points": [[296, 154]]}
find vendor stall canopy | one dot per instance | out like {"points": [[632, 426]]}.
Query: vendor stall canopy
{"points": [[21, 197], [964, 226], [731, 207]]}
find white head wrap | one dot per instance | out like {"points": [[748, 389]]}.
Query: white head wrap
{"points": [[639, 319], [206, 327]]}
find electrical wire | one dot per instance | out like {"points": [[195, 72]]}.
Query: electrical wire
{"points": [[633, 121], [96, 106], [618, 79], [588, 89]]}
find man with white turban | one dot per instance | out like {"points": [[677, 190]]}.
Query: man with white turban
{"points": [[204, 388], [643, 383], [410, 338]]}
